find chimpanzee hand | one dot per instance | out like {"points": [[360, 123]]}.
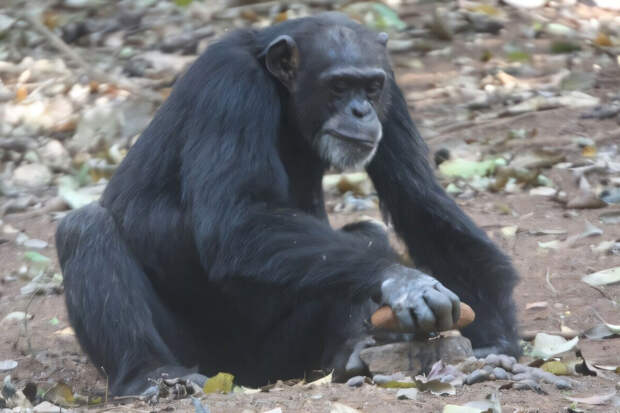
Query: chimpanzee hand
{"points": [[421, 303]]}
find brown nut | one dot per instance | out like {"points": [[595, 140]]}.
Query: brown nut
{"points": [[385, 318]]}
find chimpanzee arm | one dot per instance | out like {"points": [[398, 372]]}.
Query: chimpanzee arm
{"points": [[439, 236]]}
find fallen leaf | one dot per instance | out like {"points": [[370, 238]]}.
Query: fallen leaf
{"points": [[556, 367], [453, 408], [536, 305], [543, 191], [7, 365], [604, 277], [61, 394], [67, 331], [597, 399], [551, 245], [615, 369], [36, 258], [16, 316], [323, 380], [464, 168], [509, 231], [342, 408], [436, 387], [220, 383], [21, 93], [546, 345], [547, 232]]}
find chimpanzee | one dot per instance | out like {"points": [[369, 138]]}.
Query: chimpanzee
{"points": [[210, 249]]}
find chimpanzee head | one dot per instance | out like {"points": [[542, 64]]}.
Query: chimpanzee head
{"points": [[336, 74]]}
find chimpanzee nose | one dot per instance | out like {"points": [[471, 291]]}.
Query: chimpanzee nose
{"points": [[361, 109]]}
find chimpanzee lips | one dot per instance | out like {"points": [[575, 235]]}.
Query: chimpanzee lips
{"points": [[358, 141]]}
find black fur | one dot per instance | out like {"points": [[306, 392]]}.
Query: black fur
{"points": [[210, 249]]}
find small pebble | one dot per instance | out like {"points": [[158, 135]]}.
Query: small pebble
{"points": [[500, 373], [492, 359], [527, 385], [477, 376], [356, 381], [506, 362], [404, 394], [522, 376], [563, 384], [519, 368], [384, 378]]}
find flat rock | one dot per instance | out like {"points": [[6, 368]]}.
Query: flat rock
{"points": [[415, 357]]}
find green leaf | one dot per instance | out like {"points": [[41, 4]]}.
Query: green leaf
{"points": [[36, 258], [465, 169], [220, 383]]}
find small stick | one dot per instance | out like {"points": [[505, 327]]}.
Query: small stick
{"points": [[548, 278]]}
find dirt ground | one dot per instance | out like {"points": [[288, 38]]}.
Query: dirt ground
{"points": [[47, 352]]}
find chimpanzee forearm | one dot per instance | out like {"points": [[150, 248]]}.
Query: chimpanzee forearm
{"points": [[298, 252], [438, 234]]}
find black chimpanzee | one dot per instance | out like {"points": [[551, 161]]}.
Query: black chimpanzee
{"points": [[210, 249]]}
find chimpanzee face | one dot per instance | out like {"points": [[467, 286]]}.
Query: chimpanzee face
{"points": [[337, 83]]}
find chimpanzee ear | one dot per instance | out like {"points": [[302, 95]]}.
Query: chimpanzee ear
{"points": [[282, 59]]}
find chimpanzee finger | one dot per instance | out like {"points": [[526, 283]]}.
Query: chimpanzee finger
{"points": [[405, 319], [441, 306], [424, 315], [454, 299]]}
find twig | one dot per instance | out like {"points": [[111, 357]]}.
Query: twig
{"points": [[62, 47], [446, 130], [28, 342], [551, 287]]}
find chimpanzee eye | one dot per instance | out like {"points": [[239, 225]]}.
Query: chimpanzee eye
{"points": [[339, 86], [374, 87]]}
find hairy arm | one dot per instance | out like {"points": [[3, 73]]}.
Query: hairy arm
{"points": [[438, 234]]}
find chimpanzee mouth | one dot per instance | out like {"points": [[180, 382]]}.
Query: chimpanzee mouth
{"points": [[369, 143]]}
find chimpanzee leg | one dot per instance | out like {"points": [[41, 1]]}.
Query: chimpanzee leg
{"points": [[117, 315]]}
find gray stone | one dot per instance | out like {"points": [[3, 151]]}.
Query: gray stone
{"points": [[384, 378], [32, 175], [500, 373], [562, 384], [55, 155], [415, 357], [356, 381], [477, 377]]}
